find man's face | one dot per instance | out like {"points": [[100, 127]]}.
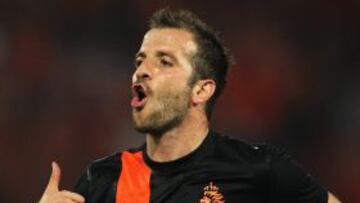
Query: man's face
{"points": [[161, 90]]}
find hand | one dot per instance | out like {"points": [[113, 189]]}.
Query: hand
{"points": [[52, 193]]}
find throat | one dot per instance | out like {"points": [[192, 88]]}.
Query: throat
{"points": [[174, 145]]}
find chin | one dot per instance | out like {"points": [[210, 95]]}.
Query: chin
{"points": [[156, 128], [146, 129]]}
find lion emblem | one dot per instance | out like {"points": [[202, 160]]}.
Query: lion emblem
{"points": [[212, 194]]}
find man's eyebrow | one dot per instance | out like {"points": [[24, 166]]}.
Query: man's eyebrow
{"points": [[163, 53], [140, 54]]}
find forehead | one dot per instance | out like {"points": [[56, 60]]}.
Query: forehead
{"points": [[168, 39]]}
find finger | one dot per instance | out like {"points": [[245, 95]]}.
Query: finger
{"points": [[72, 201], [53, 185], [68, 201], [73, 196]]}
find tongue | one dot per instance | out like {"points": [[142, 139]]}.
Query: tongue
{"points": [[137, 102]]}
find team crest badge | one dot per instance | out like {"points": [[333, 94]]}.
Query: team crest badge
{"points": [[212, 194]]}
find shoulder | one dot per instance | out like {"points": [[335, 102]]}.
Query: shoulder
{"points": [[242, 150], [273, 160], [108, 164], [100, 172], [104, 165], [250, 150], [288, 181]]}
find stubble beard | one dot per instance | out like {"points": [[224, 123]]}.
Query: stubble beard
{"points": [[168, 111]]}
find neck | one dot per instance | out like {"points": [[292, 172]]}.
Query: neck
{"points": [[179, 141]]}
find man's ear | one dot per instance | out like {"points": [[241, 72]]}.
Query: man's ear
{"points": [[203, 90]]}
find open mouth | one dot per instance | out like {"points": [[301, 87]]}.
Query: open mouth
{"points": [[139, 96]]}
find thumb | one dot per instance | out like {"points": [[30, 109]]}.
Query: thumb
{"points": [[53, 185]]}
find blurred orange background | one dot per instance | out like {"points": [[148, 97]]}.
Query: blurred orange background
{"points": [[65, 70]]}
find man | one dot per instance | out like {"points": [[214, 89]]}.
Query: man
{"points": [[180, 71]]}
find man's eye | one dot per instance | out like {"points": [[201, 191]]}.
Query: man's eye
{"points": [[138, 62], [165, 62]]}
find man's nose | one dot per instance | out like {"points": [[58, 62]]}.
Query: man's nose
{"points": [[142, 72]]}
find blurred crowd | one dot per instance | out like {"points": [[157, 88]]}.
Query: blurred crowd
{"points": [[66, 66]]}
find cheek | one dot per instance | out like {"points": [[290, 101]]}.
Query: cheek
{"points": [[175, 80], [133, 78], [172, 84]]}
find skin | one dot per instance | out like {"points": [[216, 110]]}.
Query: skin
{"points": [[53, 194], [333, 199], [163, 66], [164, 71], [176, 46]]}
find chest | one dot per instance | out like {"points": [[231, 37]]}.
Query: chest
{"points": [[207, 183]]}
